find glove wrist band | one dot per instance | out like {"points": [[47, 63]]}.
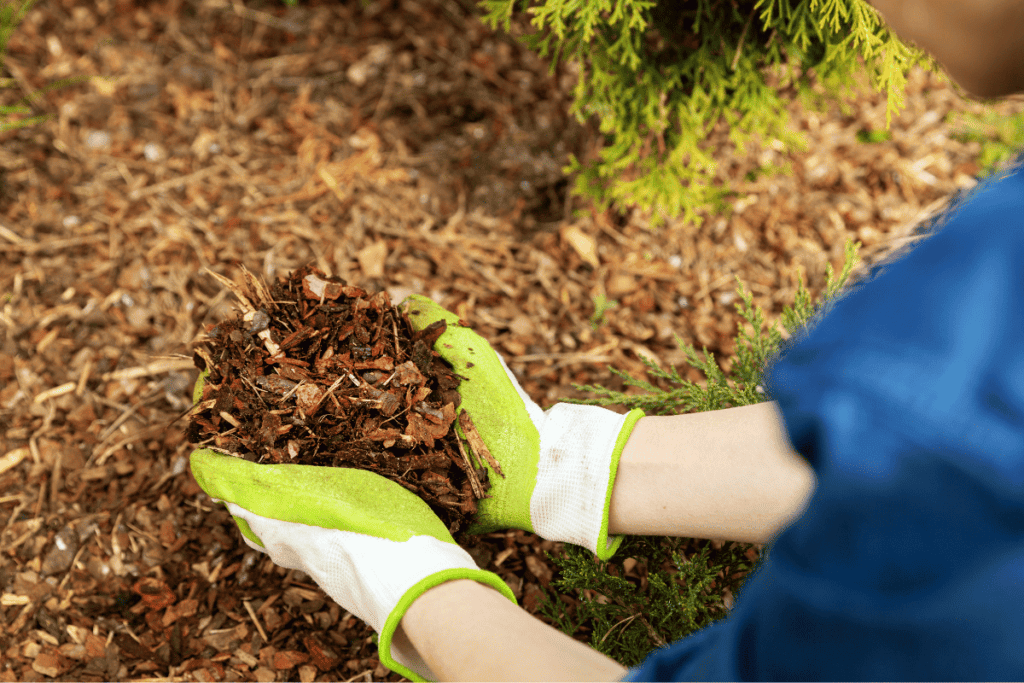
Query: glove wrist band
{"points": [[580, 447], [410, 664]]}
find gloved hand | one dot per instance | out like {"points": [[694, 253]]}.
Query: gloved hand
{"points": [[559, 466], [372, 545]]}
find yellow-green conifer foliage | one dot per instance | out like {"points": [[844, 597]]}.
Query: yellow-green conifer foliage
{"points": [[659, 75]]}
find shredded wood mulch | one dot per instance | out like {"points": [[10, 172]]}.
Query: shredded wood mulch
{"points": [[318, 372], [401, 147]]}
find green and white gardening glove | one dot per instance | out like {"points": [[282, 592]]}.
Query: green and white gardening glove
{"points": [[559, 465], [372, 545]]}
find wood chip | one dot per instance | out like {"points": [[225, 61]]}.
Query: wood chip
{"points": [[289, 659], [255, 619], [235, 289], [477, 443], [157, 367], [247, 658], [10, 599], [47, 664], [12, 459]]}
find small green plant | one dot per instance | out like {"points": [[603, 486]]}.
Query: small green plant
{"points": [[626, 621], [1001, 137], [19, 115], [602, 305], [11, 14], [765, 171], [7, 113], [626, 617], [9, 122]]}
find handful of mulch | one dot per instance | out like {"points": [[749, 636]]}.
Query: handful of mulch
{"points": [[317, 372]]}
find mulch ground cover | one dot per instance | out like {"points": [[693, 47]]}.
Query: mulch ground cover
{"points": [[400, 147]]}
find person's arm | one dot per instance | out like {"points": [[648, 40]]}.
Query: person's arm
{"points": [[728, 474], [979, 42], [466, 631]]}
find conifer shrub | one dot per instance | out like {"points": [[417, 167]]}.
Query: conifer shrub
{"points": [[1001, 138], [659, 75]]}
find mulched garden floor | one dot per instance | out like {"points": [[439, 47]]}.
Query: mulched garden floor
{"points": [[403, 147]]}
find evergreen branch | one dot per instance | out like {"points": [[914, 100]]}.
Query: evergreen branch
{"points": [[685, 88]]}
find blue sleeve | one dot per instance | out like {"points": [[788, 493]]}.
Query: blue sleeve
{"points": [[908, 402]]}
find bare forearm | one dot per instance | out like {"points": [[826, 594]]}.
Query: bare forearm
{"points": [[729, 474], [466, 631], [979, 42]]}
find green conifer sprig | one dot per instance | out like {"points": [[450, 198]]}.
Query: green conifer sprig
{"points": [[752, 357], [659, 75], [627, 618]]}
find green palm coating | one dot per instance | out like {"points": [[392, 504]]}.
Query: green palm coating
{"points": [[326, 497], [247, 531], [498, 413]]}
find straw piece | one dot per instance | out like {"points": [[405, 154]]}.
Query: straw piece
{"points": [[255, 620], [13, 458], [56, 392]]}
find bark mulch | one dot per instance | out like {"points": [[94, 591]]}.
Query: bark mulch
{"points": [[386, 400], [400, 147]]}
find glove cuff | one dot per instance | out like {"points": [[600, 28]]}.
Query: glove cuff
{"points": [[409, 663], [580, 448]]}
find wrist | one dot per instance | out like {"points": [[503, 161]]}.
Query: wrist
{"points": [[727, 474], [466, 631], [403, 636], [423, 628]]}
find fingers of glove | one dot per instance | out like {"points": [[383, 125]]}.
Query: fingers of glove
{"points": [[470, 354], [365, 574], [328, 497], [423, 312], [506, 418]]}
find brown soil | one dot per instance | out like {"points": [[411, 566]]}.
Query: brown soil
{"points": [[402, 147]]}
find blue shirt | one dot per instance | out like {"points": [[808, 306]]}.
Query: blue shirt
{"points": [[907, 399]]}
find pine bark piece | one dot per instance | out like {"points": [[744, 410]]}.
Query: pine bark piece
{"points": [[476, 442]]}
